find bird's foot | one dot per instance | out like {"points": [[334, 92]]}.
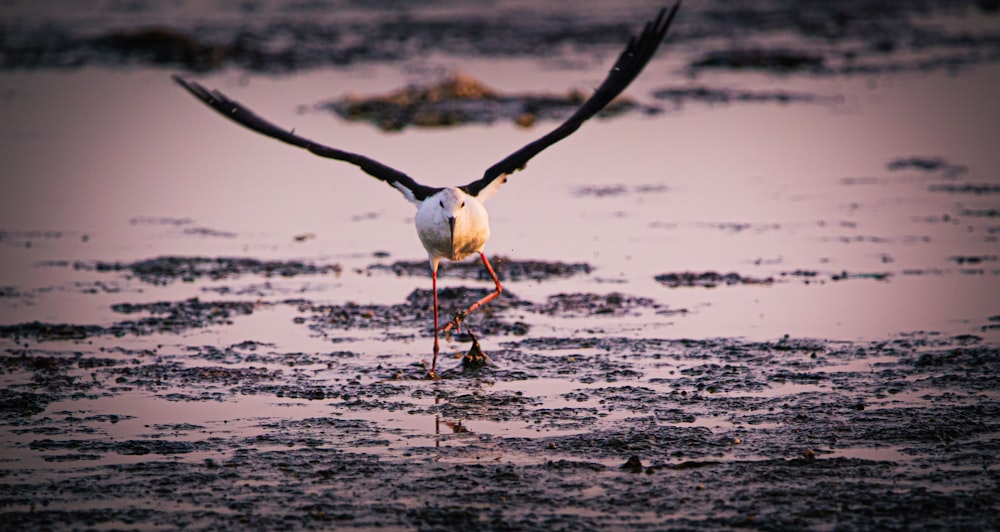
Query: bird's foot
{"points": [[431, 372], [456, 322]]}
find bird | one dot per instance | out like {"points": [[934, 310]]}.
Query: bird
{"points": [[452, 222]]}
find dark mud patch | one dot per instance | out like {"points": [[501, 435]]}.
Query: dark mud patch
{"points": [[981, 213], [975, 189], [814, 276], [189, 226], [740, 227], [417, 313], [928, 165], [588, 304], [21, 404], [461, 99], [778, 60], [169, 269], [506, 269], [724, 96], [27, 239], [605, 191], [708, 279], [506, 315], [972, 259], [165, 317], [266, 290]]}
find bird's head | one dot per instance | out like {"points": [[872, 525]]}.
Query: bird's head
{"points": [[450, 203]]}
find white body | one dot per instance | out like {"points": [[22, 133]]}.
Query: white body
{"points": [[452, 225]]}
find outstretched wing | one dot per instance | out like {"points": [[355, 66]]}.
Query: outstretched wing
{"points": [[236, 112], [630, 63]]}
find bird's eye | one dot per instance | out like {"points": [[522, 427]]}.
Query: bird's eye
{"points": [[462, 205], [441, 203]]}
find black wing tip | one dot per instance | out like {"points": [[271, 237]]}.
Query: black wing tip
{"points": [[669, 18], [191, 86], [656, 29], [196, 89]]}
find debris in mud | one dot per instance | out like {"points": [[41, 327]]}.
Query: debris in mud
{"points": [[708, 279], [475, 358], [168, 269], [461, 99], [506, 269], [632, 465]]}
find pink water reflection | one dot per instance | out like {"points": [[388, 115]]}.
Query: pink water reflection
{"points": [[756, 189]]}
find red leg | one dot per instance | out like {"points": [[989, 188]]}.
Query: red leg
{"points": [[437, 348], [432, 370], [457, 322]]}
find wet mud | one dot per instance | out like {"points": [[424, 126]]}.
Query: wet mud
{"points": [[460, 99], [609, 431]]}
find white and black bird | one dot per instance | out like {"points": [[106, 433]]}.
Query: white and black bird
{"points": [[452, 222]]}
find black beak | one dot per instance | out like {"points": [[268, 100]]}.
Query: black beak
{"points": [[451, 225]]}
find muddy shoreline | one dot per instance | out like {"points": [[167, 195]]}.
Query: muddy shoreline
{"points": [[586, 432]]}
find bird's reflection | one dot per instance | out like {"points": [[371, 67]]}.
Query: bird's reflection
{"points": [[457, 427]]}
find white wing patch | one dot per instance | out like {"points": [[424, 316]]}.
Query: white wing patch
{"points": [[489, 190], [406, 192]]}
